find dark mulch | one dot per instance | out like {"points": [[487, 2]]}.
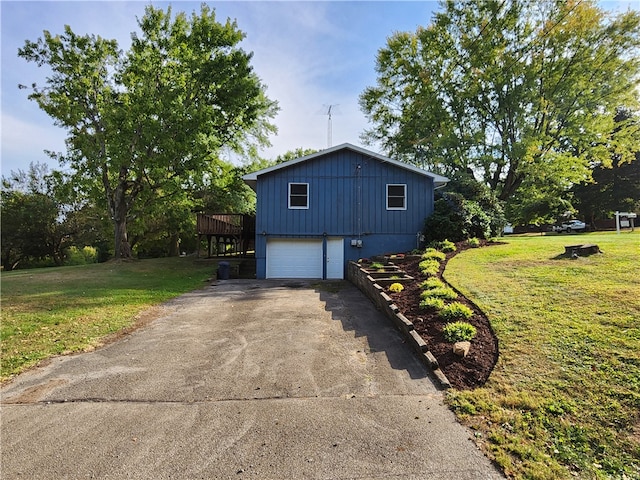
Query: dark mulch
{"points": [[463, 373]]}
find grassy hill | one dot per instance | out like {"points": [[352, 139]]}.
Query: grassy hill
{"points": [[564, 399]]}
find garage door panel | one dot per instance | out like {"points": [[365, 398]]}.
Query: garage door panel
{"points": [[294, 258]]}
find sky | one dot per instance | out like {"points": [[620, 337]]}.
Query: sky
{"points": [[310, 55]]}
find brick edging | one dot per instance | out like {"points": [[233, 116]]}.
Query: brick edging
{"points": [[383, 302]]}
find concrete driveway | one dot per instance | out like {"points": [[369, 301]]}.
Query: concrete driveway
{"points": [[243, 379]]}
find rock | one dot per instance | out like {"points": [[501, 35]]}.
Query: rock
{"points": [[461, 348]]}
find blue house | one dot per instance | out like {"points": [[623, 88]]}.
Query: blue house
{"points": [[317, 212]]}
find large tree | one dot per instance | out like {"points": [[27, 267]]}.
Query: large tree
{"points": [[34, 223], [141, 123], [612, 189], [520, 93]]}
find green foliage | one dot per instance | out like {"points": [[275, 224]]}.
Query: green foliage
{"points": [[432, 282], [458, 331], [432, 303], [473, 242], [456, 311], [28, 224], [429, 267], [486, 198], [447, 293], [432, 253], [293, 154], [396, 287], [457, 219], [376, 265], [521, 93], [147, 126], [81, 256], [615, 188], [445, 246]]}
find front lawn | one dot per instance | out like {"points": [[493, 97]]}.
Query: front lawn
{"points": [[564, 398], [51, 311]]}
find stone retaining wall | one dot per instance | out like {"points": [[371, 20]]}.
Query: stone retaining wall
{"points": [[371, 288]]}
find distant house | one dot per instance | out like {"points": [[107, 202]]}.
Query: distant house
{"points": [[316, 212]]}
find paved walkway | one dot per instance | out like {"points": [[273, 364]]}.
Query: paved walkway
{"points": [[243, 379]]}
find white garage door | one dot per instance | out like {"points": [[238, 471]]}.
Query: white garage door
{"points": [[294, 258]]}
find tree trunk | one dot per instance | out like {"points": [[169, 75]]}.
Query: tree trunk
{"points": [[174, 245], [122, 246], [119, 210]]}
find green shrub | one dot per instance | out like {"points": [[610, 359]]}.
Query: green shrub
{"points": [[446, 246], [455, 311], [376, 265], [396, 287], [458, 332], [432, 253], [429, 267], [81, 256], [432, 303], [468, 209], [473, 242], [447, 293], [432, 282]]}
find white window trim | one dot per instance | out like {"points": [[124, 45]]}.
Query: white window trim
{"points": [[297, 207], [405, 195]]}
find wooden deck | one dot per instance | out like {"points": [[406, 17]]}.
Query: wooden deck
{"points": [[226, 233]]}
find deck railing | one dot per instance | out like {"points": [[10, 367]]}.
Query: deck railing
{"points": [[225, 224]]}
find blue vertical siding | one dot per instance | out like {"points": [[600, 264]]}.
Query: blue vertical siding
{"points": [[343, 199], [347, 198]]}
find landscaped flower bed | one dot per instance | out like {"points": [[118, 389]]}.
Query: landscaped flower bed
{"points": [[425, 315]]}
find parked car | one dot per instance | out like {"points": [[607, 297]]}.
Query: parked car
{"points": [[571, 226]]}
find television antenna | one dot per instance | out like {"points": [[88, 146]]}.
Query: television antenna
{"points": [[329, 110]]}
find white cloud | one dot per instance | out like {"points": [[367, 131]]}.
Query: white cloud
{"points": [[294, 54], [308, 54], [25, 142]]}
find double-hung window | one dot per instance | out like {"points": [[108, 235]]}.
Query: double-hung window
{"points": [[396, 196], [299, 195]]}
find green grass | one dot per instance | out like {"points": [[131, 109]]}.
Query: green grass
{"points": [[53, 311], [564, 398]]}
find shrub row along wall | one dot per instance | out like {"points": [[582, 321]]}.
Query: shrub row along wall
{"points": [[369, 286]]}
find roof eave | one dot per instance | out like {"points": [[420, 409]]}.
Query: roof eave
{"points": [[251, 179]]}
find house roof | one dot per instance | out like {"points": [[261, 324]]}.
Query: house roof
{"points": [[251, 179]]}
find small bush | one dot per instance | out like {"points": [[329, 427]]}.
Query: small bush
{"points": [[456, 311], [429, 267], [441, 292], [81, 256], [473, 242], [445, 246], [458, 332], [432, 253], [432, 282], [396, 287], [377, 265], [432, 303]]}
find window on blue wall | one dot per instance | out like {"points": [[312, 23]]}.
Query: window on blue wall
{"points": [[396, 196], [298, 195]]}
